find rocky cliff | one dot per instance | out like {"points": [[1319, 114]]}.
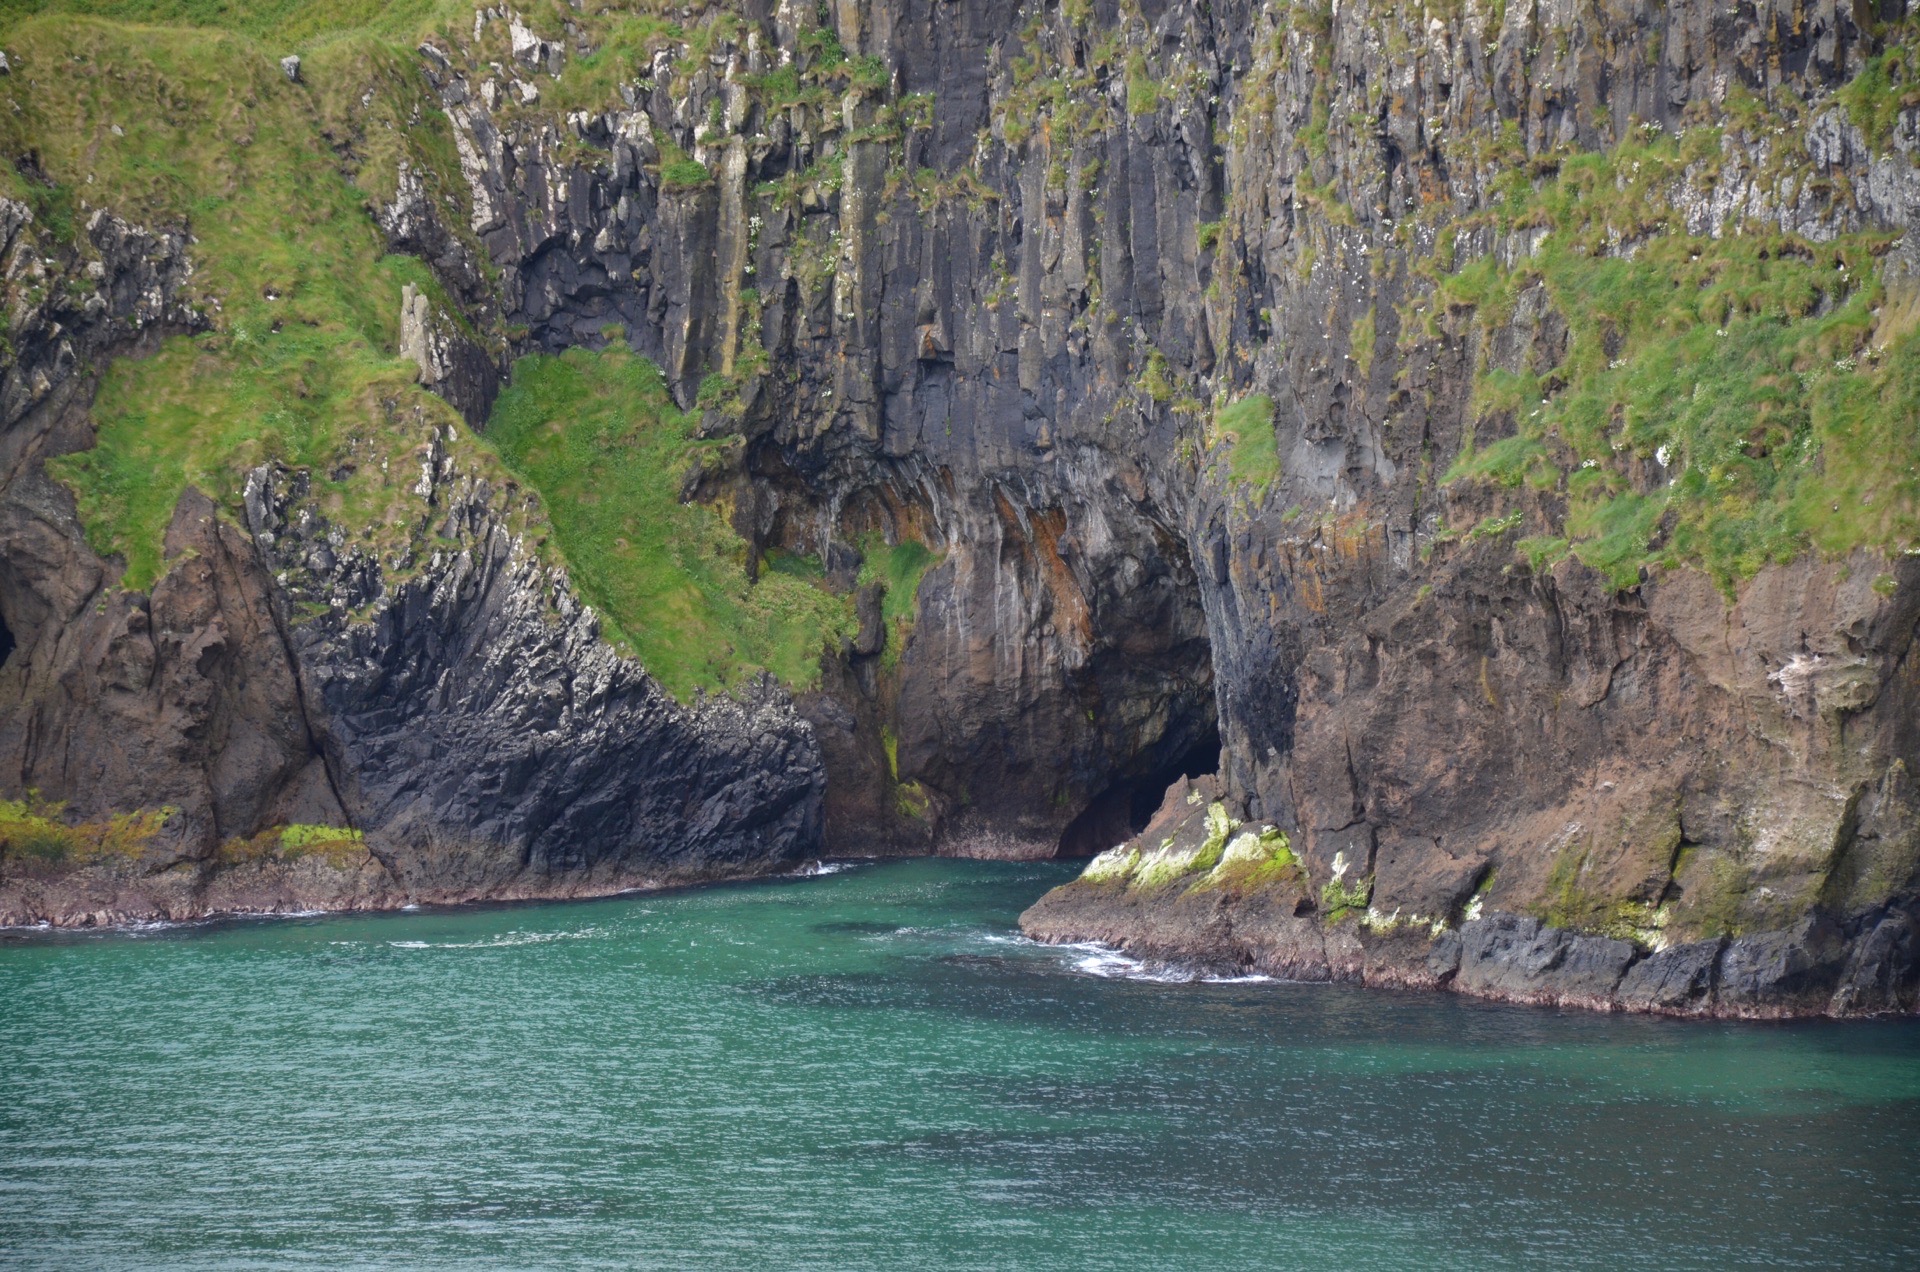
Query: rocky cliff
{"points": [[1517, 634], [391, 701], [1480, 433]]}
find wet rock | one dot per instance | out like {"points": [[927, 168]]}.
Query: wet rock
{"points": [[1782, 973], [1676, 981], [1511, 957], [1880, 971]]}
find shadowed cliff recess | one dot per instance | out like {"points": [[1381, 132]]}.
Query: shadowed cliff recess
{"points": [[595, 444]]}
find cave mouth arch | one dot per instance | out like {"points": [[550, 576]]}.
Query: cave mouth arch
{"points": [[1124, 808]]}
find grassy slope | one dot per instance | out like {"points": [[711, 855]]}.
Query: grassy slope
{"points": [[1767, 372], [599, 437], [300, 364], [289, 23], [171, 127]]}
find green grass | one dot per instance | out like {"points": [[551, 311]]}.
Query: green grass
{"points": [[1144, 93], [1248, 424], [678, 171], [1884, 87], [1763, 369], [899, 567], [598, 435], [288, 266], [287, 25]]}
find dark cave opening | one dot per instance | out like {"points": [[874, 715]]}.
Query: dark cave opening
{"points": [[1123, 810], [6, 641]]}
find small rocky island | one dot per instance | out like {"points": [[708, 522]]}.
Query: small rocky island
{"points": [[1437, 486]]}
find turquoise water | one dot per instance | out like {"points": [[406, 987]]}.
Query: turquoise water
{"points": [[867, 1070]]}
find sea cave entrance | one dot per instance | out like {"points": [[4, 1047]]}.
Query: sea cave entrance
{"points": [[1124, 808]]}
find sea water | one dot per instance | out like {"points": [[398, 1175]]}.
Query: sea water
{"points": [[870, 1069]]}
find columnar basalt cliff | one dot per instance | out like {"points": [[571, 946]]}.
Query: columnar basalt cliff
{"points": [[1482, 435]]}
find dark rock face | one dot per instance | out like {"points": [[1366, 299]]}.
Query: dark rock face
{"points": [[490, 743], [1677, 981], [940, 380], [1507, 956]]}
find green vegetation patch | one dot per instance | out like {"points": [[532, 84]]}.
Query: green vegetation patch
{"points": [[1885, 86], [1240, 862], [300, 838], [1252, 860], [1248, 425], [1144, 93], [341, 847], [898, 567], [201, 129], [1762, 375], [600, 438], [1339, 895], [1570, 904], [34, 829], [680, 172]]}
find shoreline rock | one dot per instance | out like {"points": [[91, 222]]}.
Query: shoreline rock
{"points": [[1175, 895], [128, 895]]}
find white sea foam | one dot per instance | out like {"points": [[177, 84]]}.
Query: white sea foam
{"points": [[814, 869], [147, 927], [1092, 958], [502, 941], [1108, 963]]}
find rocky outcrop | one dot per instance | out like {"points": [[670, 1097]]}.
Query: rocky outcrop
{"points": [[485, 737], [1200, 890], [431, 695], [1464, 728]]}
